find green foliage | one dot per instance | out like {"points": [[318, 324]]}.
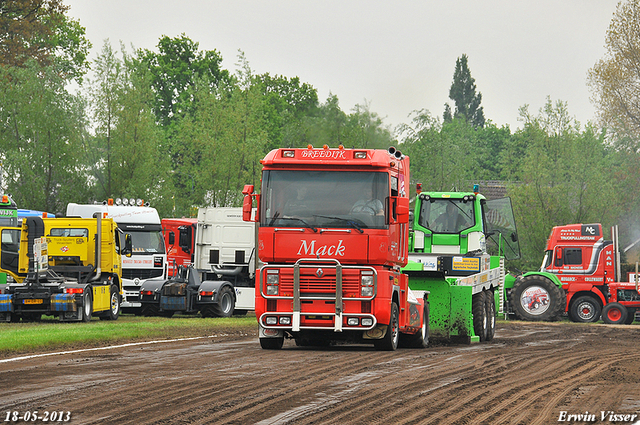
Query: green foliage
{"points": [[40, 136]]}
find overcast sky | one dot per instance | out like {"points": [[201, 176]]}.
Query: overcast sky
{"points": [[397, 55]]}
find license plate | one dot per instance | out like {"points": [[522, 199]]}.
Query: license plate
{"points": [[32, 301]]}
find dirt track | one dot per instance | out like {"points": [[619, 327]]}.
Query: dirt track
{"points": [[529, 374]]}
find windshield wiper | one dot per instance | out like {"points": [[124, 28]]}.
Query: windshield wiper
{"points": [[300, 220], [350, 222]]}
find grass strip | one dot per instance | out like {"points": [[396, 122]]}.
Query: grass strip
{"points": [[48, 335]]}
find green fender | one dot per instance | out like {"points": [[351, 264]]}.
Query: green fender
{"points": [[509, 279]]}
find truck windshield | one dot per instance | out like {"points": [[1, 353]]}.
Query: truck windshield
{"points": [[327, 199], [446, 215], [145, 242]]}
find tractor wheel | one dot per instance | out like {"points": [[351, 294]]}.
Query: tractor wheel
{"points": [[585, 309], [114, 304], [490, 306], [390, 340], [271, 343], [614, 314], [87, 306], [419, 339], [480, 319], [226, 303], [631, 316], [536, 298]]}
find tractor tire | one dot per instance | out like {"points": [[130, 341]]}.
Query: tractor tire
{"points": [[631, 316], [480, 319], [419, 339], [585, 309], [114, 305], [614, 314], [87, 307], [390, 340], [550, 305], [226, 303], [490, 306], [271, 343]]}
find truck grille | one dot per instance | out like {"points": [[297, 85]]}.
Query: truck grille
{"points": [[311, 284], [141, 273]]}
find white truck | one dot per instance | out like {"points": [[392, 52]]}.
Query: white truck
{"points": [[215, 264], [148, 259]]}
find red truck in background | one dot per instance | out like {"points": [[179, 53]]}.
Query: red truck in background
{"points": [[179, 238], [587, 269], [333, 235]]}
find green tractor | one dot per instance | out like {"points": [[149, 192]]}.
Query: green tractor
{"points": [[457, 248]]}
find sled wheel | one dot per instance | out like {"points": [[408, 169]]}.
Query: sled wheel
{"points": [[490, 305], [480, 319]]}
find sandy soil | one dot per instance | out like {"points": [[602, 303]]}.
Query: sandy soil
{"points": [[530, 374]]}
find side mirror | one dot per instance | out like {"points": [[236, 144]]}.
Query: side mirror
{"points": [[514, 237], [402, 210], [247, 203], [128, 245], [172, 238]]}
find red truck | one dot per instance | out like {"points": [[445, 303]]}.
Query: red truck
{"points": [[333, 235], [580, 275], [179, 238]]}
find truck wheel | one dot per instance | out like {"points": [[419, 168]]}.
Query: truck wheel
{"points": [[225, 305], [87, 306], [271, 343], [207, 311], [585, 309], [536, 298], [480, 319], [114, 304], [390, 340], [614, 314], [490, 306]]}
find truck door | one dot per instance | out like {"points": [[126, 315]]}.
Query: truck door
{"points": [[9, 250], [500, 227]]}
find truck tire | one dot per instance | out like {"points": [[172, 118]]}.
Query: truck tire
{"points": [[271, 343], [390, 340], [536, 298], [490, 305], [207, 311], [87, 305], [226, 303], [419, 339], [585, 309], [614, 314], [114, 305], [480, 319], [149, 310]]}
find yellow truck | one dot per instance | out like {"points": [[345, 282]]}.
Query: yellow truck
{"points": [[66, 267]]}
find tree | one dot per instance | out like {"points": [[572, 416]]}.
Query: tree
{"points": [[39, 30], [463, 93], [175, 68], [123, 155], [40, 138], [615, 79]]}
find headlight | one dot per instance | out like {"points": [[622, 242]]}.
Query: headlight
{"points": [[271, 320], [273, 279], [272, 289], [352, 321], [367, 321], [285, 320], [366, 291]]}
